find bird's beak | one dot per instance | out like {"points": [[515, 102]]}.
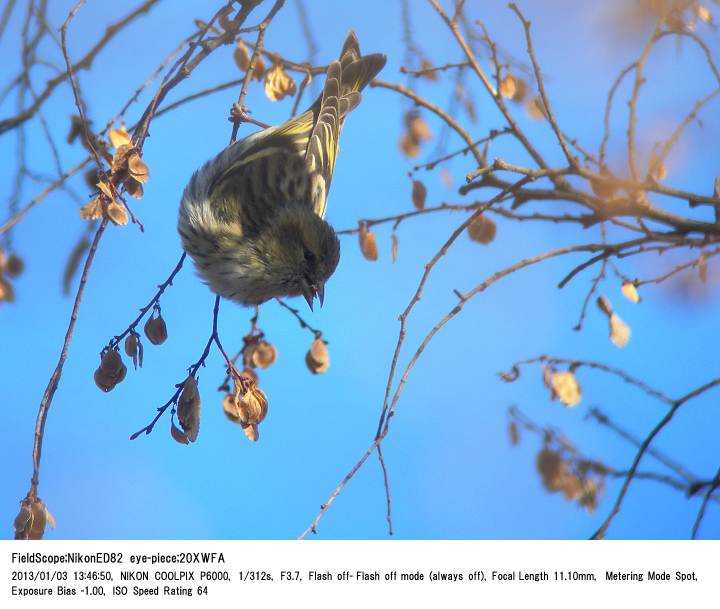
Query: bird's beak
{"points": [[310, 291]]}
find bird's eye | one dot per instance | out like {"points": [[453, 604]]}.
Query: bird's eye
{"points": [[309, 257]]}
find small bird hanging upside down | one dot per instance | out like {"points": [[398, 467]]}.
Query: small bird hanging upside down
{"points": [[252, 218]]}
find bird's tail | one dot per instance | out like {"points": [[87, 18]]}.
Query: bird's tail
{"points": [[357, 70], [345, 78]]}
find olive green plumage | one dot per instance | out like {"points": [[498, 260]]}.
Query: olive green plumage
{"points": [[252, 218]]}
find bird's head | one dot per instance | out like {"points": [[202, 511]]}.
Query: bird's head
{"points": [[304, 252]]}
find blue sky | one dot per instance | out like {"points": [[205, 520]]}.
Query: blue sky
{"points": [[452, 471]]}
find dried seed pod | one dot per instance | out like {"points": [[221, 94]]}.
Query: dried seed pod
{"points": [[409, 147], [252, 433], [368, 244], [417, 128], [14, 266], [137, 168], [188, 409], [131, 345], [134, 349], [566, 387], [134, 188], [521, 89], [604, 305], [508, 87], [93, 210], [278, 83], [241, 56], [253, 407], [482, 230], [317, 358], [23, 521], [552, 469], [263, 355], [156, 330], [536, 108], [572, 487], [619, 331], [119, 162], [177, 434], [119, 137], [7, 293], [111, 362], [259, 70], [103, 381], [249, 373], [394, 246], [630, 292], [419, 194], [230, 408], [117, 213], [34, 516]]}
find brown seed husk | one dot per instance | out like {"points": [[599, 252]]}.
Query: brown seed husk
{"points": [[552, 469], [131, 345], [32, 519], [103, 381], [536, 109], [188, 409], [134, 349], [137, 168], [566, 387], [409, 146], [253, 407], [619, 331], [134, 188], [508, 87], [92, 210], [230, 408], [178, 435], [241, 56], [630, 292], [417, 128], [117, 213], [119, 137], [521, 89], [263, 355], [368, 244], [419, 194], [604, 305], [317, 358], [14, 266], [111, 362], [278, 83], [482, 230], [120, 158], [252, 433], [7, 293], [156, 330]]}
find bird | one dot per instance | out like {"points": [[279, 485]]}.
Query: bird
{"points": [[253, 218]]}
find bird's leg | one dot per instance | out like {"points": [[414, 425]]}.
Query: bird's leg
{"points": [[241, 114]]}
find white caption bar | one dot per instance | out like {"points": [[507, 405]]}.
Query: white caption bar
{"points": [[317, 574]]}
